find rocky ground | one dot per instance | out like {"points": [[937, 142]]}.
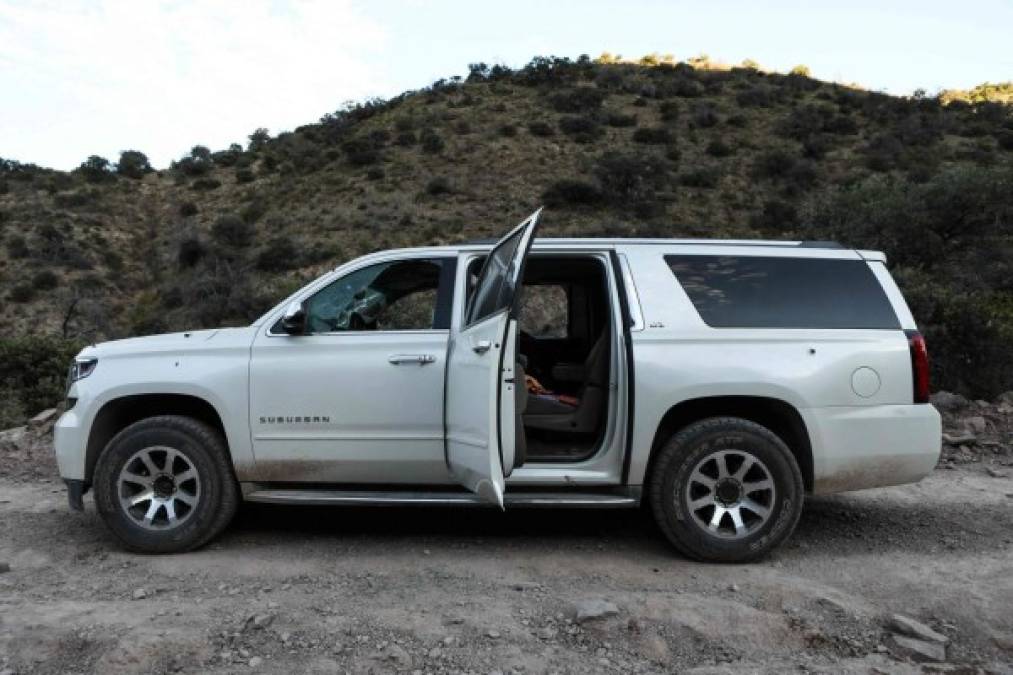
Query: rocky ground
{"points": [[916, 578]]}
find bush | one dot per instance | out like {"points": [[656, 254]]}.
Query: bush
{"points": [[652, 135], [508, 130], [375, 173], [17, 246], [630, 178], [278, 255], [577, 100], [571, 192], [581, 129], [775, 217], [406, 138], [704, 117], [45, 280], [233, 231], [360, 151], [701, 177], [187, 209], [244, 176], [22, 293], [541, 129], [718, 148], [190, 252], [755, 97], [133, 164], [439, 185], [432, 142], [669, 111], [774, 163], [95, 169], [206, 184], [1005, 139], [33, 371], [615, 119]]}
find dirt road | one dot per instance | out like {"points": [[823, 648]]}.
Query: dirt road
{"points": [[334, 590]]}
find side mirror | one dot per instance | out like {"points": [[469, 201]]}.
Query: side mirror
{"points": [[294, 320]]}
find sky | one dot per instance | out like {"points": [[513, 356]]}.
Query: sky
{"points": [[80, 78]]}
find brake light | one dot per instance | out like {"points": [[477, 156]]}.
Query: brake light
{"points": [[919, 365]]}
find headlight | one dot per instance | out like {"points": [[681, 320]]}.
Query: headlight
{"points": [[80, 369]]}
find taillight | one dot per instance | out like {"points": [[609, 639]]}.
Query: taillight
{"points": [[919, 365]]}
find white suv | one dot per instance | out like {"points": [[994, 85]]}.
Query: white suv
{"points": [[720, 381]]}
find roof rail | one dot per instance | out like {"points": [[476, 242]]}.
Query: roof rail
{"points": [[819, 244]]}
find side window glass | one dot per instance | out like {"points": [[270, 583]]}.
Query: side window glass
{"points": [[399, 295], [545, 311], [493, 288]]}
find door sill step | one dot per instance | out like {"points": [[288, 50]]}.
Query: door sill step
{"points": [[388, 498]]}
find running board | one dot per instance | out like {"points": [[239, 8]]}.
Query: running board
{"points": [[311, 496]]}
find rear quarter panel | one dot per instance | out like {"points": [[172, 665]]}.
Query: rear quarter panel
{"points": [[857, 440]]}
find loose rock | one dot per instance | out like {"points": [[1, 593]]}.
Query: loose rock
{"points": [[916, 629], [587, 610], [918, 650]]}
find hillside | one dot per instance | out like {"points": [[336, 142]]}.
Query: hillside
{"points": [[618, 149]]}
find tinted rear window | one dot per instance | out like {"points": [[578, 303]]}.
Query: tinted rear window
{"points": [[766, 292]]}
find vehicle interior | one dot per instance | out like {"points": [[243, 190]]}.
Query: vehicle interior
{"points": [[565, 344]]}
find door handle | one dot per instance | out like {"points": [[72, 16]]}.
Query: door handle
{"points": [[481, 347], [420, 359]]}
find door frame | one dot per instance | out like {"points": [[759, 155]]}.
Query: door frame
{"points": [[604, 467]]}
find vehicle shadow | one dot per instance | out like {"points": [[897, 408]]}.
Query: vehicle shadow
{"points": [[839, 525]]}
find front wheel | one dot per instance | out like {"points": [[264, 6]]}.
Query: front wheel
{"points": [[165, 485], [726, 489]]}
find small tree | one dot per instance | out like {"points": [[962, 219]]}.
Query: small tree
{"points": [[258, 139], [133, 164], [95, 169], [801, 70]]}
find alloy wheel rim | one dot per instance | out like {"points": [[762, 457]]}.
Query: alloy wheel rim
{"points": [[730, 494], [159, 488]]}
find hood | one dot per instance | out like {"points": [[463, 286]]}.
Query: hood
{"points": [[170, 342]]}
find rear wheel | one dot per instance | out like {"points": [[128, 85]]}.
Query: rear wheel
{"points": [[726, 489], [164, 485]]}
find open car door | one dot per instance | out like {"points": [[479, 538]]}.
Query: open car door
{"points": [[480, 409]]}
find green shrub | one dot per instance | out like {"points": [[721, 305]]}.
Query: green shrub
{"points": [[508, 130], [133, 164], [33, 372], [616, 119], [406, 138], [580, 129], [17, 246], [187, 209], [630, 178], [701, 177], [718, 148], [652, 135], [432, 142], [22, 293], [571, 192], [577, 100], [244, 176], [439, 185], [774, 163], [541, 129], [206, 184], [375, 173], [278, 255], [704, 116], [233, 231], [95, 169], [191, 251], [45, 280], [669, 111], [360, 151]]}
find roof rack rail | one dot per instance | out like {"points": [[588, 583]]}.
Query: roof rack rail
{"points": [[819, 244]]}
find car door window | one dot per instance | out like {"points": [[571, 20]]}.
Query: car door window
{"points": [[545, 311], [397, 295]]}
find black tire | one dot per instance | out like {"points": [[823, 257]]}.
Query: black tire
{"points": [[689, 449], [204, 449]]}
